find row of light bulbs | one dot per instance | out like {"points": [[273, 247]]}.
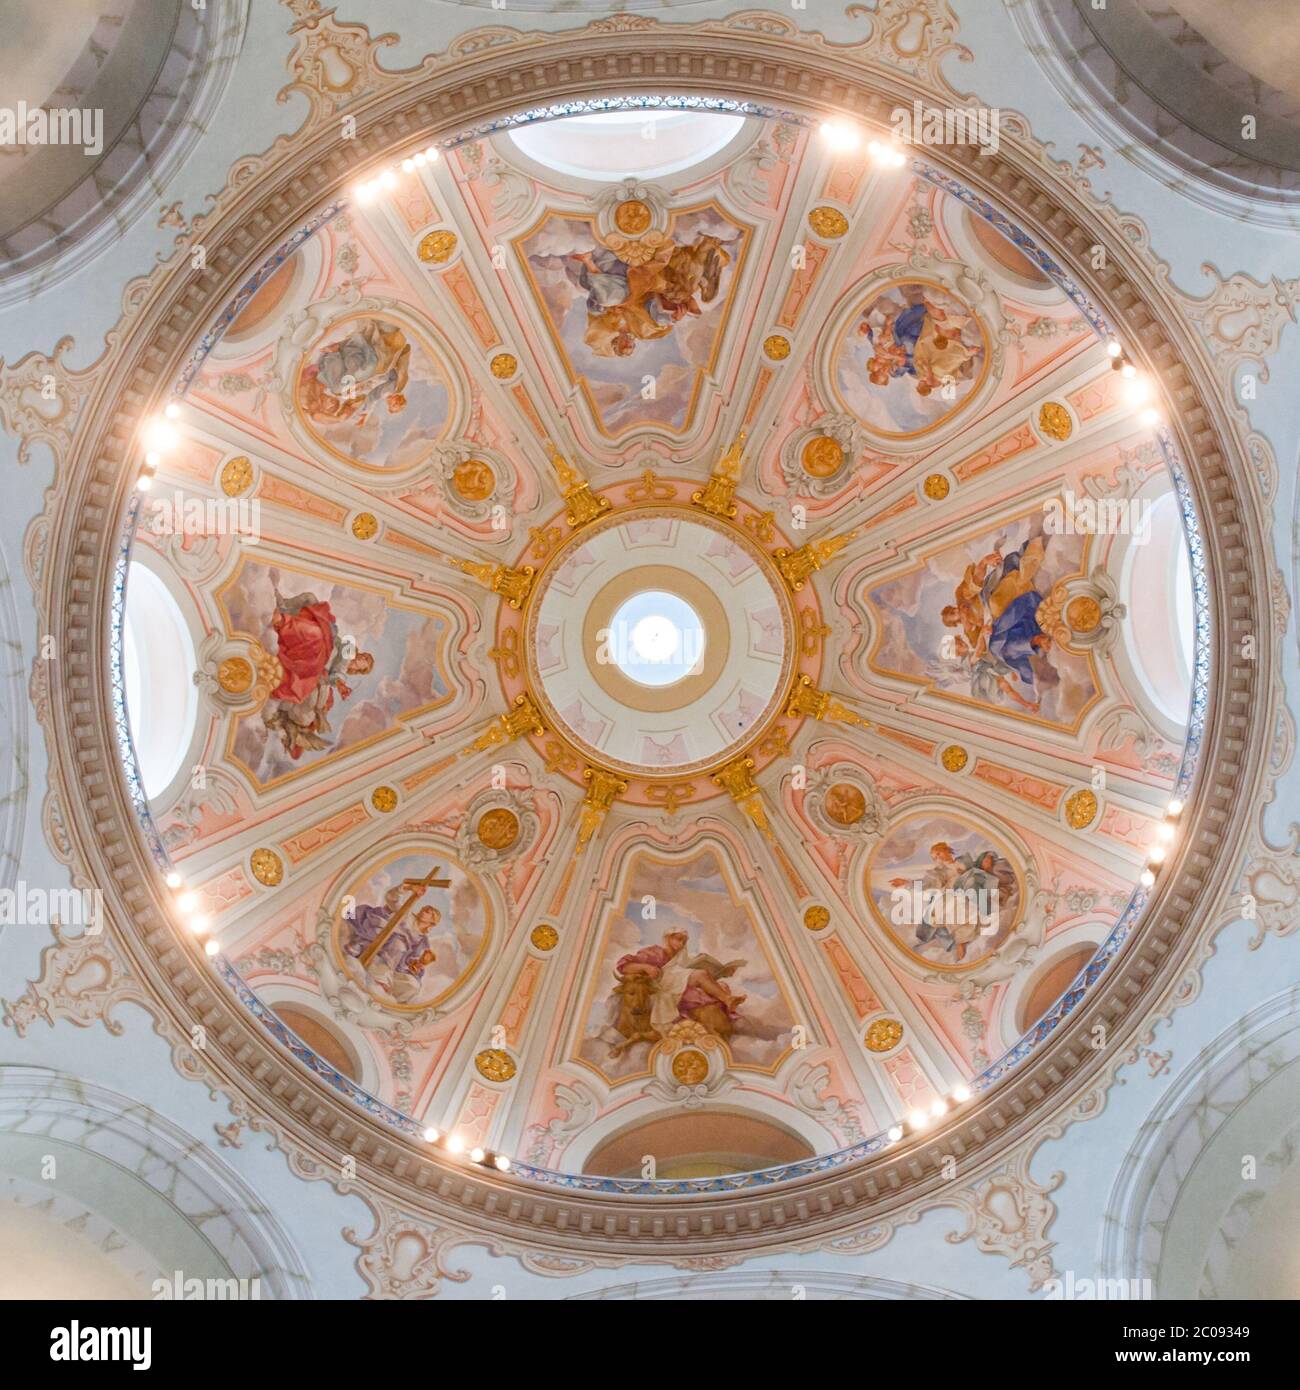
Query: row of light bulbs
{"points": [[386, 180], [454, 1144], [920, 1120], [158, 437], [844, 138], [187, 901], [1165, 833]]}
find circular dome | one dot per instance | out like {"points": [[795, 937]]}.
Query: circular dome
{"points": [[530, 898]]}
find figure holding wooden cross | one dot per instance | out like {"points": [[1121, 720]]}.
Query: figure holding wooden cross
{"points": [[390, 949]]}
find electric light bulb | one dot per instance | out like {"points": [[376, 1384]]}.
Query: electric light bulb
{"points": [[212, 947], [407, 165], [172, 410], [895, 1133], [431, 1135], [158, 434], [199, 923], [431, 153], [186, 901], [364, 193], [1165, 832], [1175, 807], [1147, 879], [477, 1155], [174, 879], [420, 159], [961, 1094], [455, 1143], [840, 136], [1113, 348], [502, 1163], [1156, 854], [918, 1119], [144, 482], [938, 1108], [1128, 370]]}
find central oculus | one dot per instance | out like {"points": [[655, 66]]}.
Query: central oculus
{"points": [[656, 638], [659, 641]]}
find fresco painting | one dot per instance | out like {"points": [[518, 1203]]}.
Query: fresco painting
{"points": [[412, 929], [945, 891], [909, 359], [373, 393], [977, 621], [348, 666], [635, 310], [696, 961]]}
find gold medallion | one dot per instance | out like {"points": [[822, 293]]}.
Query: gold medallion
{"points": [[1081, 809], [236, 475], [845, 804], [823, 457], [437, 247], [267, 867], [632, 217], [235, 675], [474, 480], [498, 828], [828, 222], [690, 1067], [883, 1034], [495, 1063]]}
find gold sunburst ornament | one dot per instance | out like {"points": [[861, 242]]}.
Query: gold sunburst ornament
{"points": [[1081, 809], [267, 867], [365, 526], [495, 1064], [236, 476], [437, 248], [776, 347], [883, 1035], [544, 937], [1054, 420], [383, 799], [817, 918], [827, 222]]}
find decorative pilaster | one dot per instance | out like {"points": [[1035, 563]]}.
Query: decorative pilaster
{"points": [[806, 701], [796, 566], [522, 719], [737, 780], [581, 504], [718, 495], [603, 789], [514, 585]]}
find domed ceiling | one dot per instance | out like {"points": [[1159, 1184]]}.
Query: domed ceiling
{"points": [[719, 628]]}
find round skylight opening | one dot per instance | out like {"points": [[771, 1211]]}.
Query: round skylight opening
{"points": [[638, 143], [656, 638]]}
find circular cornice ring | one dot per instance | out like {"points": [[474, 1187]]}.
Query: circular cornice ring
{"points": [[318, 1128]]}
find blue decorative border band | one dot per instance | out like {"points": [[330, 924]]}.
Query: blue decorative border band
{"points": [[765, 1177]]}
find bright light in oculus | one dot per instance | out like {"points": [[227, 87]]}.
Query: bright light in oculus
{"points": [[655, 638]]}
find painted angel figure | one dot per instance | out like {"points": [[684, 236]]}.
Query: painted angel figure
{"points": [[314, 659]]}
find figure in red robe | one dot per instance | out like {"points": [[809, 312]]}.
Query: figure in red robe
{"points": [[313, 661]]}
